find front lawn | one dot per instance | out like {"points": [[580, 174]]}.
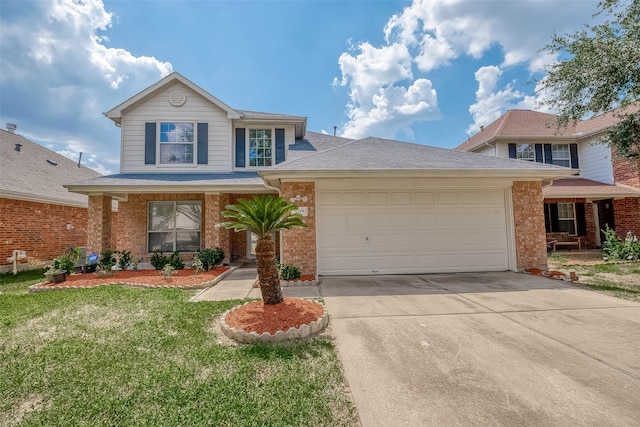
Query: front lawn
{"points": [[125, 356], [621, 280]]}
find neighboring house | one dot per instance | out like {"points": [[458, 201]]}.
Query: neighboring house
{"points": [[37, 214], [372, 206], [605, 189]]}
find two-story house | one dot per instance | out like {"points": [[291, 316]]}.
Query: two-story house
{"points": [[605, 189], [373, 206]]}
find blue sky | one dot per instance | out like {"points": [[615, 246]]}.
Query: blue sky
{"points": [[429, 72]]}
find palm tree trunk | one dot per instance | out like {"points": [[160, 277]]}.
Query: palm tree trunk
{"points": [[267, 271]]}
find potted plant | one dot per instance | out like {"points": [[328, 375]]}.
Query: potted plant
{"points": [[62, 265], [55, 275]]}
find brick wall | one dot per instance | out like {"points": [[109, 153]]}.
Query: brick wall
{"points": [[626, 171], [214, 236], [99, 224], [627, 216], [528, 217], [299, 244], [40, 229]]}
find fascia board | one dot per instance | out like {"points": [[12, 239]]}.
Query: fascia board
{"points": [[14, 195], [157, 189]]}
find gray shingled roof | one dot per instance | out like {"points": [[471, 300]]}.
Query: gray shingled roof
{"points": [[27, 175], [314, 142], [376, 154], [246, 114], [149, 182]]}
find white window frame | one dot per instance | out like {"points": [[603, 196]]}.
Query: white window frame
{"points": [[555, 158], [530, 149], [174, 230], [572, 218], [159, 144], [248, 147]]}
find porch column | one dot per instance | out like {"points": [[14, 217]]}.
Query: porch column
{"points": [[99, 224], [298, 246], [528, 220], [214, 236]]}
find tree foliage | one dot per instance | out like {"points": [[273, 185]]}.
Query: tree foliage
{"points": [[600, 73], [264, 216]]}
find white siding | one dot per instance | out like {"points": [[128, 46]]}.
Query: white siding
{"points": [[595, 161], [158, 109], [487, 150]]}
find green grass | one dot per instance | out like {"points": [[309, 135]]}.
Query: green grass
{"points": [[557, 257], [19, 283], [126, 356]]}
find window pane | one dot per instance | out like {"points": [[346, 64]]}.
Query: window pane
{"points": [[188, 216], [525, 152], [161, 216], [260, 147], [162, 241], [176, 132], [560, 155], [568, 226], [565, 211], [176, 153], [188, 241]]}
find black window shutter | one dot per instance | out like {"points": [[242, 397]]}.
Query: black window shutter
{"points": [[240, 147], [548, 157], [573, 149], [553, 213], [512, 151], [580, 220], [280, 151], [150, 143], [203, 143], [547, 219], [539, 157]]}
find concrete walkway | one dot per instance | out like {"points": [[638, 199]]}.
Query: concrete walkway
{"points": [[239, 285]]}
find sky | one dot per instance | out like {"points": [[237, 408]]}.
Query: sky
{"points": [[425, 71]]}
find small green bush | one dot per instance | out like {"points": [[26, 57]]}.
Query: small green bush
{"points": [[124, 260], [211, 258], [107, 260], [158, 260], [616, 248], [289, 272]]}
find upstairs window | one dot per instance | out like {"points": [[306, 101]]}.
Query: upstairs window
{"points": [[560, 155], [260, 147], [525, 152], [176, 143]]}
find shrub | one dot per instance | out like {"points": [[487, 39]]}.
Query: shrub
{"points": [[289, 272], [158, 260], [616, 248], [107, 260], [211, 258], [167, 271], [124, 260], [196, 265]]}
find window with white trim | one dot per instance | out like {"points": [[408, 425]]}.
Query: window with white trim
{"points": [[174, 226], [260, 147], [526, 152], [177, 141], [567, 217], [560, 155]]}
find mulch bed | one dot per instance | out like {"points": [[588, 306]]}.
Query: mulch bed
{"points": [[183, 279], [259, 317]]}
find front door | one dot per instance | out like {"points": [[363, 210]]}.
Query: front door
{"points": [[252, 241], [605, 216]]}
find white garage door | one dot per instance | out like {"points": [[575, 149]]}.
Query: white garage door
{"points": [[420, 231]]}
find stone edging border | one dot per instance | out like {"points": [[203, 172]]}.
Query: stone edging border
{"points": [[39, 288], [303, 331]]}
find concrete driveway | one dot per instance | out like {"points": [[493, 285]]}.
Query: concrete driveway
{"points": [[485, 349]]}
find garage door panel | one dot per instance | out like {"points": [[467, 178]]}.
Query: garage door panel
{"points": [[401, 231]]}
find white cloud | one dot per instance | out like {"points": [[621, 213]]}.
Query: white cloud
{"points": [[58, 75], [427, 36]]}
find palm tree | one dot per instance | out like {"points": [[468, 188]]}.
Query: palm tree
{"points": [[263, 216]]}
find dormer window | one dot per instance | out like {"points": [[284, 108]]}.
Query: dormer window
{"points": [[260, 147], [176, 140], [526, 152]]}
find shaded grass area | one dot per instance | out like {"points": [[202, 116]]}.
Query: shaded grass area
{"points": [[20, 282], [126, 356]]}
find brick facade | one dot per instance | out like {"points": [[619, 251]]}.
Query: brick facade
{"points": [[627, 216], [99, 237], [528, 218], [40, 229], [589, 239], [299, 244], [626, 172]]}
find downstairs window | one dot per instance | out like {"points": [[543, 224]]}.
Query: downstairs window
{"points": [[174, 226]]}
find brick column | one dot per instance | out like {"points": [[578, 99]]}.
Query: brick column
{"points": [[214, 236], [528, 220], [99, 224], [299, 244]]}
